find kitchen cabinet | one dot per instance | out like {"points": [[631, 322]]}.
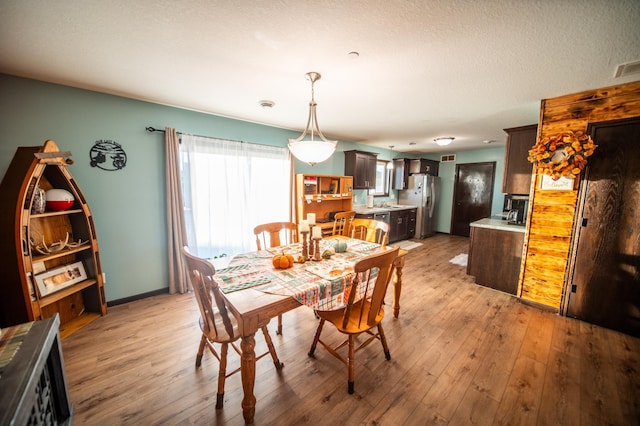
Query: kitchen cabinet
{"points": [[424, 166], [362, 166], [400, 173], [403, 167], [401, 221], [495, 254], [50, 260], [402, 224], [517, 169], [411, 232], [323, 195], [398, 225]]}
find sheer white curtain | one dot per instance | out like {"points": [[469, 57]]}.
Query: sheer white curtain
{"points": [[229, 187]]}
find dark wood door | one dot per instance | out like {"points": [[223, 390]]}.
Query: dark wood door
{"points": [[472, 195], [605, 288]]}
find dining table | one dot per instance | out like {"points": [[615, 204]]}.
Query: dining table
{"points": [[255, 292]]}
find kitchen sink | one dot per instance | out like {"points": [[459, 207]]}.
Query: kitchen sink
{"points": [[401, 206]]}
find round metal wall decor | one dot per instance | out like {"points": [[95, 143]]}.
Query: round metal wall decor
{"points": [[108, 155]]}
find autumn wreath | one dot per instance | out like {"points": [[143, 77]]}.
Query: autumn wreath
{"points": [[562, 155]]}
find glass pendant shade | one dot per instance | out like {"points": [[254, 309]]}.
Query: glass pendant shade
{"points": [[312, 151], [443, 141]]}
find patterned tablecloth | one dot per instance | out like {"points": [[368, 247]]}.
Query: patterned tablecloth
{"points": [[321, 284]]}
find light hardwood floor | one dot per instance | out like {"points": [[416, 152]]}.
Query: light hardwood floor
{"points": [[460, 354]]}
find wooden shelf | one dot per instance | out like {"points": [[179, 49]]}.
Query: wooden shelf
{"points": [[56, 213], [59, 295], [61, 253], [323, 195], [77, 323]]}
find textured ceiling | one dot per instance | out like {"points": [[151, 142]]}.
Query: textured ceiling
{"points": [[426, 68]]}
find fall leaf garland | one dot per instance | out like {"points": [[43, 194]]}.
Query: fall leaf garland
{"points": [[562, 155]]}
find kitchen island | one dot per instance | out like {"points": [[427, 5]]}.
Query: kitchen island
{"points": [[495, 254]]}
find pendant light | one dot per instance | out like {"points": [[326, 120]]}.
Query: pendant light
{"points": [[312, 151], [390, 163], [444, 141]]}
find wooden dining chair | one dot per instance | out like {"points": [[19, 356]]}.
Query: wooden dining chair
{"points": [[275, 234], [342, 223], [217, 324], [370, 230], [360, 314]]}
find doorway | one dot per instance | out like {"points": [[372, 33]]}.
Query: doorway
{"points": [[472, 195], [604, 286]]}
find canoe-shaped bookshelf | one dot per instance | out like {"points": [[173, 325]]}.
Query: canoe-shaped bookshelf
{"points": [[49, 257]]}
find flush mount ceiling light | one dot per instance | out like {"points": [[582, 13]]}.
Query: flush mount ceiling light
{"points": [[312, 151], [390, 163], [444, 141]]}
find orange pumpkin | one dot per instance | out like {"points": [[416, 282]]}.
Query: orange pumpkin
{"points": [[282, 261]]}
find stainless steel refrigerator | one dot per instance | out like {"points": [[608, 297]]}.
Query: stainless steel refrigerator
{"points": [[422, 191]]}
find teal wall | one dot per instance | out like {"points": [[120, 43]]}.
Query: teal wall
{"points": [[447, 173], [129, 205]]}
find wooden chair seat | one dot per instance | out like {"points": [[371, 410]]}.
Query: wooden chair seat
{"points": [[217, 324], [354, 325], [223, 335], [360, 316]]}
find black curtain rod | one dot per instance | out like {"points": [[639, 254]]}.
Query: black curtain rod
{"points": [[153, 129]]}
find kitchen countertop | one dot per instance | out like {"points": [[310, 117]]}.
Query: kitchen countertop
{"points": [[391, 207], [498, 224]]}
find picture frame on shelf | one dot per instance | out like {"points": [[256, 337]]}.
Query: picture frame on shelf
{"points": [[59, 278]]}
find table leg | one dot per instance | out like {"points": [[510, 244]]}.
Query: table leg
{"points": [[248, 373], [397, 285]]}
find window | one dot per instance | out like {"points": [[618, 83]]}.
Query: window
{"points": [[383, 178], [229, 187]]}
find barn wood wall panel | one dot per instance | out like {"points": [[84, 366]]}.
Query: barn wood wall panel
{"points": [[547, 246]]}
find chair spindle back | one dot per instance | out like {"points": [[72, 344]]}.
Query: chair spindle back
{"points": [[275, 234], [342, 223], [213, 309], [370, 230], [383, 262]]}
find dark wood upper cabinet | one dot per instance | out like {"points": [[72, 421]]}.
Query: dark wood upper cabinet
{"points": [[403, 167], [362, 166], [400, 173], [424, 166], [517, 169]]}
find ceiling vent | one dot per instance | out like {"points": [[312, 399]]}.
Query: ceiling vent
{"points": [[447, 158], [628, 69]]}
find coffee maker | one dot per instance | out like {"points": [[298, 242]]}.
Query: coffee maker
{"points": [[516, 207]]}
